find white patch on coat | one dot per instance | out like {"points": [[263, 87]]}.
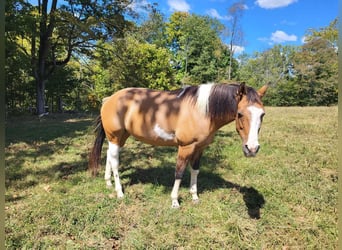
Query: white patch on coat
{"points": [[202, 102], [255, 124], [163, 134]]}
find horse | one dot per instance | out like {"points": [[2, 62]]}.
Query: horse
{"points": [[187, 118]]}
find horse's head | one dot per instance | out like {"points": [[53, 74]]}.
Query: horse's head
{"points": [[249, 117]]}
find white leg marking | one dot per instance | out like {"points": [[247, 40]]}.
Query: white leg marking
{"points": [[174, 194], [113, 159], [255, 123], [108, 172], [193, 185]]}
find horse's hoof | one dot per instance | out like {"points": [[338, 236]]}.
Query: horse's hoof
{"points": [[109, 184], [195, 201], [175, 204], [120, 195]]}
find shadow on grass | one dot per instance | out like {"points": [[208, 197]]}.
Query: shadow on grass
{"points": [[29, 139], [30, 129], [148, 164], [207, 179]]}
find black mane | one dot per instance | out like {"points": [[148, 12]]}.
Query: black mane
{"points": [[222, 100], [186, 91]]}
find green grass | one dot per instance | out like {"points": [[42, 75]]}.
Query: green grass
{"points": [[285, 198]]}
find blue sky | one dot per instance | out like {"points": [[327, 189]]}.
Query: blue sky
{"points": [[264, 22]]}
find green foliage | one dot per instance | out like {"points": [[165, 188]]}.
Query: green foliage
{"points": [[91, 50], [143, 65], [303, 76], [268, 66], [198, 52], [316, 68], [59, 88], [52, 33], [130, 63], [329, 33], [153, 30]]}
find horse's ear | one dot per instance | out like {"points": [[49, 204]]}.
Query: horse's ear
{"points": [[242, 90], [262, 90]]}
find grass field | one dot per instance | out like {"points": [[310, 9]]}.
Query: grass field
{"points": [[285, 198]]}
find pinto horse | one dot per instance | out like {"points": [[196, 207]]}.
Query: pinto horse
{"points": [[187, 118]]}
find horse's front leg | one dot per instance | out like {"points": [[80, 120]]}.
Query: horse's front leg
{"points": [[184, 154], [194, 173], [193, 185]]}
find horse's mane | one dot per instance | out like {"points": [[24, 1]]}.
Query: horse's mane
{"points": [[252, 95], [221, 101], [186, 91]]}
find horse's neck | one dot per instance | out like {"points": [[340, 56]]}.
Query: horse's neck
{"points": [[217, 123]]}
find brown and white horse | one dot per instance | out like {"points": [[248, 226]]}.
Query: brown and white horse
{"points": [[187, 118]]}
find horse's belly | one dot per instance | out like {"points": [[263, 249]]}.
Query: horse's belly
{"points": [[156, 141], [154, 134]]}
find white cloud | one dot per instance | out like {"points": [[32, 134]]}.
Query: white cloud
{"points": [[139, 6], [238, 49], [272, 4], [178, 5], [281, 37], [213, 13]]}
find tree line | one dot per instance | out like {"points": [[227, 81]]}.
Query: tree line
{"points": [[68, 55]]}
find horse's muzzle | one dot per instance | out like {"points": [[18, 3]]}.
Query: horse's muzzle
{"points": [[250, 152]]}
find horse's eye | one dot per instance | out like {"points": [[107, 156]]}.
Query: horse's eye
{"points": [[240, 115]]}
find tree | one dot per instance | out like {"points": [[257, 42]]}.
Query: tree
{"points": [[18, 78], [196, 47], [316, 68], [329, 33], [272, 65], [56, 32], [129, 62], [153, 30], [235, 31]]}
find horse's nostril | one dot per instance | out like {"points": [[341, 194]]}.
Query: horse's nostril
{"points": [[253, 150]]}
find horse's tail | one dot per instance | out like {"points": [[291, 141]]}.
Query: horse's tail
{"points": [[95, 153]]}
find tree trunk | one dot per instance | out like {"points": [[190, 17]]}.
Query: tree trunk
{"points": [[230, 68], [41, 69], [40, 96], [60, 104]]}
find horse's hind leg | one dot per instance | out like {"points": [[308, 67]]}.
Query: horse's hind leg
{"points": [[112, 164], [108, 171]]}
